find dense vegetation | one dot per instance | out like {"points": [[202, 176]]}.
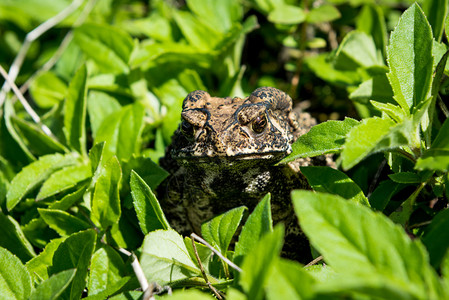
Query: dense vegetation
{"points": [[103, 83]]}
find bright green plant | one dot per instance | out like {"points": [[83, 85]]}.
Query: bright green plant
{"points": [[80, 215]]}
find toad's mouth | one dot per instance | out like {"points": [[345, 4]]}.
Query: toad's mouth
{"points": [[192, 157]]}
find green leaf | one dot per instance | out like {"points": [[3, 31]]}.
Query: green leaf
{"points": [[107, 268], [35, 139], [110, 290], [258, 224], [372, 22], [289, 280], [229, 11], [15, 281], [287, 14], [75, 112], [13, 239], [366, 246], [436, 11], [357, 50], [148, 209], [74, 252], [326, 179], [323, 13], [395, 112], [436, 238], [34, 174], [165, 258], [122, 132], [323, 68], [257, 265], [410, 59], [361, 140], [324, 138], [64, 179], [377, 88], [219, 231], [62, 222], [149, 171], [108, 46], [437, 157], [106, 199], [38, 266], [99, 106], [47, 89], [53, 287], [406, 177], [383, 194], [188, 294]]}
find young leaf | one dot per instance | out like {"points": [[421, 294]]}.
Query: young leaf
{"points": [[13, 239], [62, 222], [74, 252], [15, 281], [219, 231], [165, 258], [324, 138], [53, 287], [64, 179], [107, 267], [362, 139], [108, 46], [410, 59], [148, 210], [106, 199], [257, 265], [366, 244], [34, 174], [75, 112], [326, 179], [258, 224]]}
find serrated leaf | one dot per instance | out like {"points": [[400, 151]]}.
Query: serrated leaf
{"points": [[148, 210], [351, 246], [395, 112], [361, 140], [258, 224], [106, 199], [324, 138], [107, 268], [64, 179], [287, 14], [108, 46], [13, 239], [75, 112], [15, 281], [74, 252], [437, 157], [38, 266], [34, 174], [410, 59], [53, 287], [122, 132], [165, 258], [219, 231], [257, 265], [62, 222], [326, 179]]}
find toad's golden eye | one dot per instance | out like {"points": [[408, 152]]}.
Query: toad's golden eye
{"points": [[187, 129], [259, 124]]}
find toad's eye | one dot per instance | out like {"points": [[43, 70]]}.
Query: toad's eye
{"points": [[259, 124], [187, 129]]}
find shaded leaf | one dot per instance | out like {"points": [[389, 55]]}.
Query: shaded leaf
{"points": [[62, 222], [13, 239]]}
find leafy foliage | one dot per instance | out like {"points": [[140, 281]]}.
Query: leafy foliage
{"points": [[79, 158]]}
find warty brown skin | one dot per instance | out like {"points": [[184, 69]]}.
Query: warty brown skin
{"points": [[223, 155]]}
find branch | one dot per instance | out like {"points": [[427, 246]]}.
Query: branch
{"points": [[31, 37]]}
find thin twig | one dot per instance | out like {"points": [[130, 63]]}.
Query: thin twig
{"points": [[313, 262], [137, 269], [202, 241], [31, 37], [443, 106], [212, 288], [25, 104]]}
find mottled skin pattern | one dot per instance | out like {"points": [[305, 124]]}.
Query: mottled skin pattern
{"points": [[223, 155]]}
